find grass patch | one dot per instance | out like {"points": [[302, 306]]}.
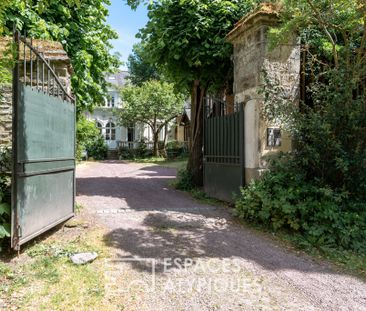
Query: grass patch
{"points": [[47, 280], [78, 208]]}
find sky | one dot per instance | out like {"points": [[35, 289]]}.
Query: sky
{"points": [[127, 23]]}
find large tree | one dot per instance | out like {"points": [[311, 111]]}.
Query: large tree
{"points": [[186, 39], [139, 68], [81, 27], [154, 103]]}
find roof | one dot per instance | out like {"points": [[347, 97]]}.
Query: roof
{"points": [[265, 12], [117, 79]]}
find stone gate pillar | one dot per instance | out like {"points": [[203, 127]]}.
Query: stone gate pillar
{"points": [[251, 56]]}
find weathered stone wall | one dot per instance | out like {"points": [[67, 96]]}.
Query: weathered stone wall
{"points": [[5, 115], [251, 57], [53, 53]]}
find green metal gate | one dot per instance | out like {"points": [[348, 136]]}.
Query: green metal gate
{"points": [[223, 153], [43, 183]]}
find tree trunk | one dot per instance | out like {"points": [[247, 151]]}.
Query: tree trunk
{"points": [[156, 144], [155, 138], [165, 139], [195, 160]]}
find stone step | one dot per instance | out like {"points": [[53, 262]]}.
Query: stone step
{"points": [[112, 155]]}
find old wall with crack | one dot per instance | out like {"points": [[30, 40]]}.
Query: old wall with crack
{"points": [[252, 58]]}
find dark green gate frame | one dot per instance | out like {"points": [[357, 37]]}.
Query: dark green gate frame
{"points": [[223, 153], [43, 177]]}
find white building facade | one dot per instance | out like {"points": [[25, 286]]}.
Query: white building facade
{"points": [[105, 117]]}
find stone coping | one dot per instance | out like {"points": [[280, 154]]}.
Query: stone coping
{"points": [[267, 13]]}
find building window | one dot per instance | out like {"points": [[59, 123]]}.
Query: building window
{"points": [[273, 137], [111, 102], [110, 131]]}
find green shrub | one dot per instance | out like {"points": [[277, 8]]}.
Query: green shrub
{"points": [[184, 181], [4, 218], [5, 169], [89, 139], [126, 153], [282, 199], [319, 190], [140, 152], [97, 149], [176, 149]]}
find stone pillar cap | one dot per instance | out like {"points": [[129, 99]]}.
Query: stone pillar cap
{"points": [[266, 13]]}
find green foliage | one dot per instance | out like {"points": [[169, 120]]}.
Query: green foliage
{"points": [[283, 199], [125, 153], [90, 140], [186, 39], [154, 103], [6, 65], [184, 181], [335, 28], [141, 152], [319, 190], [329, 128], [81, 27], [4, 5], [5, 168], [331, 135], [176, 149], [4, 220], [97, 149], [139, 69]]}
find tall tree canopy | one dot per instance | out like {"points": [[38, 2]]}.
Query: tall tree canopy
{"points": [[81, 27], [186, 39], [139, 68], [335, 28], [154, 103]]}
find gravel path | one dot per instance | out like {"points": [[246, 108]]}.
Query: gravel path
{"points": [[172, 253]]}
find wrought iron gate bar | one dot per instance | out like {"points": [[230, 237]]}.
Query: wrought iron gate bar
{"points": [[51, 72], [223, 151], [31, 63]]}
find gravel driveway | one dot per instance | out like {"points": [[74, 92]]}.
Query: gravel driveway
{"points": [[172, 253]]}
